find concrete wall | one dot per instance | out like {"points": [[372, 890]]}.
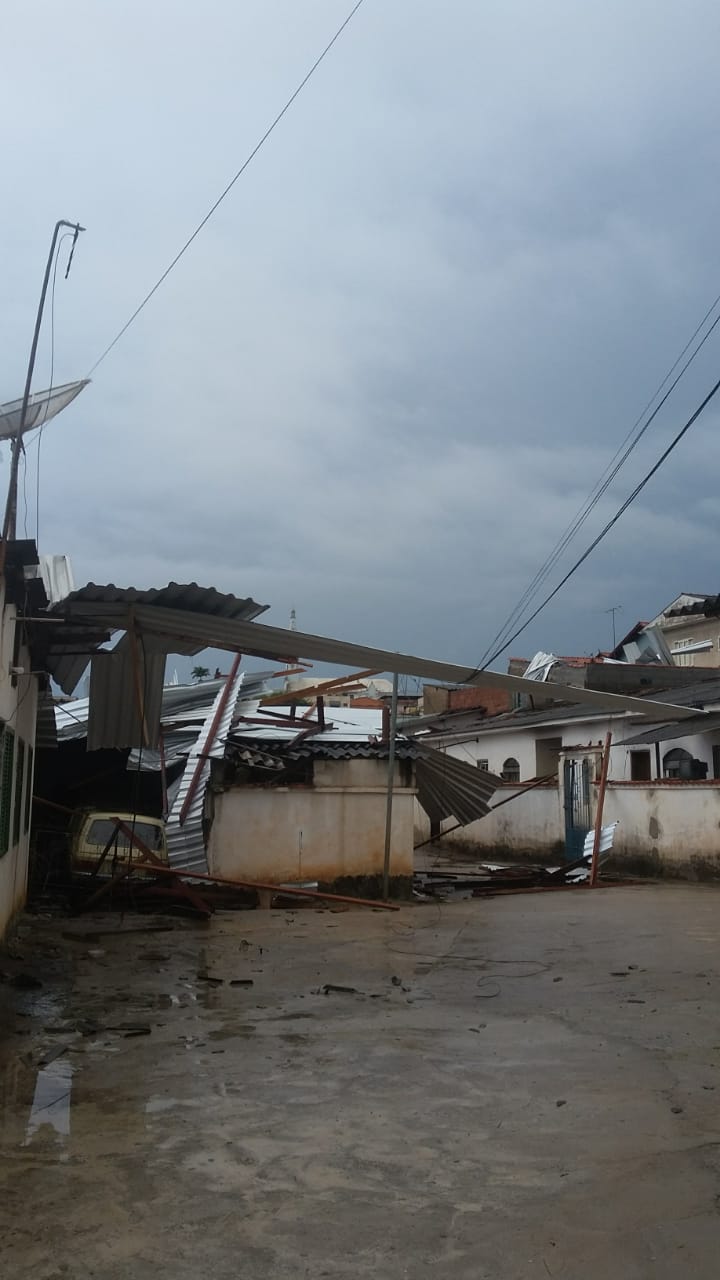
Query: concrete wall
{"points": [[671, 829], [18, 709], [666, 829], [530, 825], [329, 831]]}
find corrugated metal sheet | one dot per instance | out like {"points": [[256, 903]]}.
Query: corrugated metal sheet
{"points": [[114, 711], [68, 647], [276, 643], [343, 723], [71, 719], [451, 788], [57, 575], [708, 723], [607, 835], [185, 596], [186, 845], [183, 706]]}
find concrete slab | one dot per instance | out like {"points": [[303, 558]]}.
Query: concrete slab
{"points": [[519, 1087]]}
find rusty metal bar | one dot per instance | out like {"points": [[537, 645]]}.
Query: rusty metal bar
{"points": [[600, 807], [283, 890], [323, 686], [105, 888], [134, 839]]}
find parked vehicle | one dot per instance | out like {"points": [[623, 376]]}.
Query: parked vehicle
{"points": [[90, 831]]}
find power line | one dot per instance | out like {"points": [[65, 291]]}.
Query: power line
{"points": [[616, 463], [621, 510], [228, 188]]}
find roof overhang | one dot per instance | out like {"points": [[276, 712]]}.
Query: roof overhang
{"points": [[196, 629]]}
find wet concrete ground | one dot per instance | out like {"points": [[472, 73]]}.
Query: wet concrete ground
{"points": [[520, 1087]]}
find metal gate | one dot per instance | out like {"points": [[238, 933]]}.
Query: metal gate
{"points": [[578, 815]]}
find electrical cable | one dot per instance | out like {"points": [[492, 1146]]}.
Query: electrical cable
{"points": [[37, 440], [606, 479], [228, 188], [67, 235], [606, 529]]}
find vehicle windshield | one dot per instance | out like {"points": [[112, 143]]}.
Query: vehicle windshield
{"points": [[100, 831]]}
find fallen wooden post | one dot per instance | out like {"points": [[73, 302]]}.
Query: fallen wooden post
{"points": [[281, 890]]}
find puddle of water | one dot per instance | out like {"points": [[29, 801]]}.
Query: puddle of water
{"points": [[51, 1103]]}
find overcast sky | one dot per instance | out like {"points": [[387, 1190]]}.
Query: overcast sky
{"points": [[390, 368]]}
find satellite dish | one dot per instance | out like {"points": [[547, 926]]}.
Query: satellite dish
{"points": [[42, 405]]}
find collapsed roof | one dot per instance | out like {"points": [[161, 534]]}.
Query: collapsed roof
{"points": [[126, 682]]}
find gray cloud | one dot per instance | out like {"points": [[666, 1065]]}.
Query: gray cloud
{"points": [[383, 379]]}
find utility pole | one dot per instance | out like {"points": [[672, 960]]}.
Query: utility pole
{"points": [[9, 523], [390, 785]]}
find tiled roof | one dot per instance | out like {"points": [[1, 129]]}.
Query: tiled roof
{"points": [[708, 608]]}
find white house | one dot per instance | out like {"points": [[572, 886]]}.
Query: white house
{"points": [[18, 713], [663, 789]]}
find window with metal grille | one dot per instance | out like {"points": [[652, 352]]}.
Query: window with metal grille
{"points": [[511, 770], [483, 764], [7, 757], [19, 771], [29, 787]]}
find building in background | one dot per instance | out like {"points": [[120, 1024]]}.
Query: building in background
{"points": [[690, 625], [663, 789]]}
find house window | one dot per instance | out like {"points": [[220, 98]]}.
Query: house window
{"points": [[684, 659], [511, 770], [7, 758], [29, 787], [640, 766], [483, 764], [677, 764]]}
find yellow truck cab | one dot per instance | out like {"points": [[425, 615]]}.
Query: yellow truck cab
{"points": [[91, 829]]}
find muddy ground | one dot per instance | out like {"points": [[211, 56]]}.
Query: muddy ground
{"points": [[518, 1087]]}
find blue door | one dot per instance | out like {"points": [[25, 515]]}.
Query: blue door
{"points": [[578, 817]]}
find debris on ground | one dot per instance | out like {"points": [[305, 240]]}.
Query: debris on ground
{"points": [[461, 880]]}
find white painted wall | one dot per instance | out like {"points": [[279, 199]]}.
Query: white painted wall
{"points": [[18, 709], [531, 824], [673, 828], [333, 829], [498, 745]]}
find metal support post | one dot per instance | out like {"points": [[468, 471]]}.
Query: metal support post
{"points": [[390, 786]]}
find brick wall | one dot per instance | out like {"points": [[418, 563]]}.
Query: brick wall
{"points": [[436, 698]]}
